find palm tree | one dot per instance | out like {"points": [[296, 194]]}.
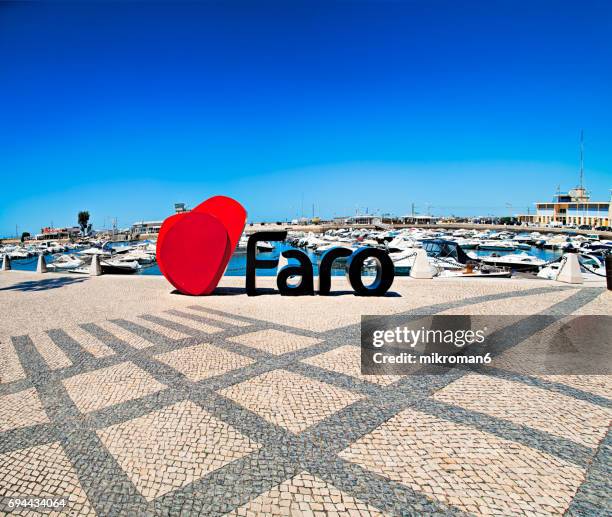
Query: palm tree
{"points": [[83, 219]]}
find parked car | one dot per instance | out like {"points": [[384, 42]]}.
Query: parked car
{"points": [[585, 227]]}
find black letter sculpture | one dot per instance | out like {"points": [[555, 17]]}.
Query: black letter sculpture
{"points": [[325, 267], [304, 270], [254, 263], [385, 272]]}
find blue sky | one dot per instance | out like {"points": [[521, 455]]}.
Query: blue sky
{"points": [[125, 108]]}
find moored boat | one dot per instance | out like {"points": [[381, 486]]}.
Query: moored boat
{"points": [[516, 261], [64, 263], [591, 269], [497, 245]]}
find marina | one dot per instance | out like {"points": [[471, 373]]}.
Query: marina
{"points": [[510, 251]]}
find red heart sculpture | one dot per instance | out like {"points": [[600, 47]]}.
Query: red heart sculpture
{"points": [[231, 213], [194, 248]]}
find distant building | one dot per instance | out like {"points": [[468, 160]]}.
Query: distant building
{"points": [[573, 207], [364, 219], [49, 233], [153, 227], [419, 219], [146, 227]]}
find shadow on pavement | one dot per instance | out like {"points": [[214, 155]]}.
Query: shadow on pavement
{"points": [[43, 285], [233, 291]]}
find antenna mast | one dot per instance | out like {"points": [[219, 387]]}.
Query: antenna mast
{"points": [[581, 156]]}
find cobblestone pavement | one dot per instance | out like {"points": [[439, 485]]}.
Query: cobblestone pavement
{"points": [[198, 411]]}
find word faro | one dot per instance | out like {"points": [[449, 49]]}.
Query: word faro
{"points": [[385, 270]]}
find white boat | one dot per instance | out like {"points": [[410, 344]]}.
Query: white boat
{"points": [[401, 243], [523, 246], [604, 246], [19, 254], [64, 263], [558, 242], [242, 243], [467, 244], [95, 251], [118, 267], [497, 245], [522, 238], [140, 256], [264, 246], [49, 247], [404, 260], [518, 261], [476, 272], [326, 247], [591, 268]]}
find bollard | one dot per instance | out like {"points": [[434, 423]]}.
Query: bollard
{"points": [[95, 269], [6, 263], [421, 268], [570, 270], [41, 265], [609, 272]]}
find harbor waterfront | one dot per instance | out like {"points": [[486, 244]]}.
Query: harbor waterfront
{"points": [[129, 398], [463, 252], [237, 265]]}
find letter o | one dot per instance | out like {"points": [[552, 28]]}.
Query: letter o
{"points": [[385, 272]]}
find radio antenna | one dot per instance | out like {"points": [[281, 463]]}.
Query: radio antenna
{"points": [[581, 157]]}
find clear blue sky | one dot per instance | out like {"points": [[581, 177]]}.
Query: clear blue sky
{"points": [[125, 108]]}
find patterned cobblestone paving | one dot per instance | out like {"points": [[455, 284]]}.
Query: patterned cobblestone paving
{"points": [[88, 341], [160, 329], [554, 413], [43, 471], [132, 339], [189, 323], [274, 341], [10, 367], [172, 447], [289, 400], [197, 411], [199, 311], [203, 361], [475, 471], [51, 353], [347, 360], [304, 495], [109, 386], [21, 409]]}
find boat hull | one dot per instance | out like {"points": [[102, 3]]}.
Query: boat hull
{"points": [[492, 247], [493, 274], [108, 269], [525, 268]]}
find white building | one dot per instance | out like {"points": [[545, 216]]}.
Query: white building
{"points": [[573, 207], [146, 227]]}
